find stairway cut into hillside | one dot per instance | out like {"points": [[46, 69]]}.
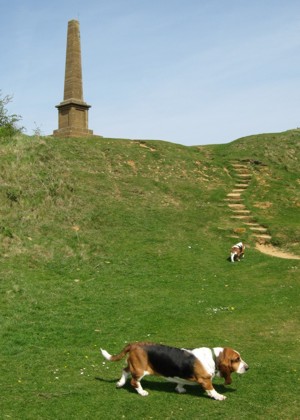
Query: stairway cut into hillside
{"points": [[241, 214]]}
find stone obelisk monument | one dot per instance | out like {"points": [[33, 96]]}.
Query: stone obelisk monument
{"points": [[73, 111]]}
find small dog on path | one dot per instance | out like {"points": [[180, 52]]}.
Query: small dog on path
{"points": [[237, 252]]}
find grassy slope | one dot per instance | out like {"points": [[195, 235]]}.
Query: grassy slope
{"points": [[106, 241], [274, 194]]}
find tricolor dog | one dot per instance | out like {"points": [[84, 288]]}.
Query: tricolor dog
{"points": [[237, 252], [182, 366]]}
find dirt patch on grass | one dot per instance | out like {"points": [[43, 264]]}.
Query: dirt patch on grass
{"points": [[263, 205], [275, 252]]}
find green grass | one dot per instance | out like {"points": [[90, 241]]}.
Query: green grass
{"points": [[108, 241]]}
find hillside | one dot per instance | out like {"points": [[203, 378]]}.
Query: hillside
{"points": [[106, 241], [56, 191]]}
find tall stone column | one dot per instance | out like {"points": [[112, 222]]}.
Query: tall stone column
{"points": [[73, 111]]}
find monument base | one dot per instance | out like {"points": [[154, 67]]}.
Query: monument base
{"points": [[72, 132], [73, 119]]}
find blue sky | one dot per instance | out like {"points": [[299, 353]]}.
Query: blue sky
{"points": [[186, 71]]}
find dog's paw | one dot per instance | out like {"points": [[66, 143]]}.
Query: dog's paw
{"points": [[143, 393], [180, 389], [219, 397], [120, 383], [215, 395]]}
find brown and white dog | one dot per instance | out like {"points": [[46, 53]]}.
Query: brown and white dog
{"points": [[182, 366], [237, 252]]}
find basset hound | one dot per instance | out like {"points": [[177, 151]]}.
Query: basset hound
{"points": [[181, 366], [237, 252]]}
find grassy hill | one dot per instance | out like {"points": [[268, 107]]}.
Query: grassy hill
{"points": [[106, 241]]}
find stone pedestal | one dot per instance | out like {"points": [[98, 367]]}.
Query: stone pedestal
{"points": [[72, 119]]}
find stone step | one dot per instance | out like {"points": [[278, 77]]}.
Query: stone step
{"points": [[239, 165], [234, 200], [258, 229], [241, 211], [234, 195], [263, 239], [241, 217], [237, 206], [243, 175], [242, 171]]}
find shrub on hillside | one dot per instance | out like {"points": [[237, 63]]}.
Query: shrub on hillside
{"points": [[8, 123]]}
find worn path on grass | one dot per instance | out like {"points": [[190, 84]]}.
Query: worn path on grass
{"points": [[243, 215]]}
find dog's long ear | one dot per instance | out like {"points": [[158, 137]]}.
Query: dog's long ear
{"points": [[224, 365]]}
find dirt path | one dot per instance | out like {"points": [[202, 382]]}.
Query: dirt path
{"points": [[275, 252], [243, 216]]}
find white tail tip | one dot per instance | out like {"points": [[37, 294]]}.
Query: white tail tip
{"points": [[105, 354]]}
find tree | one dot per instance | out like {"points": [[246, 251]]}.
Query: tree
{"points": [[8, 123]]}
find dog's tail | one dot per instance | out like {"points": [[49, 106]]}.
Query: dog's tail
{"points": [[116, 357]]}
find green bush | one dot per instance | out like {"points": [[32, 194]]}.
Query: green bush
{"points": [[8, 123]]}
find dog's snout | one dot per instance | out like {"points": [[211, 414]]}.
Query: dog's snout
{"points": [[246, 367], [243, 367]]}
